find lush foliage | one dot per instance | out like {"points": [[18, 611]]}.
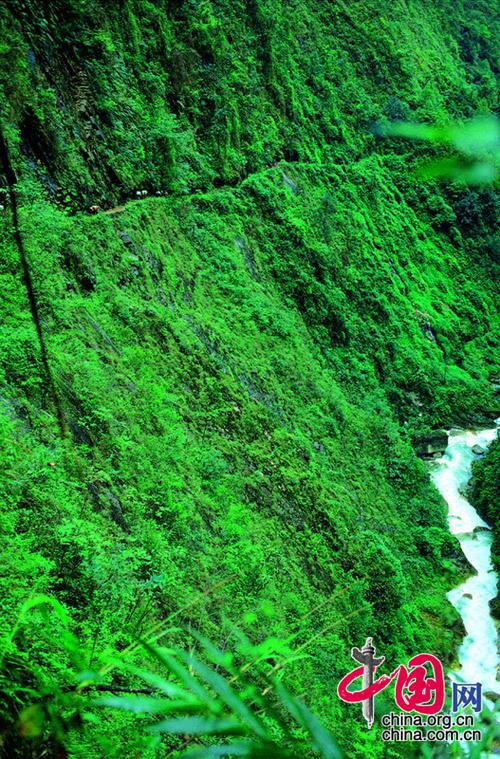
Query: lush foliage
{"points": [[241, 364], [485, 492], [213, 702]]}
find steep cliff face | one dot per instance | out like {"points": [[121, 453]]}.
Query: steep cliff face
{"points": [[233, 370], [176, 96]]}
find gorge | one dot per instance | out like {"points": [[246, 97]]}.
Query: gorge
{"points": [[478, 654]]}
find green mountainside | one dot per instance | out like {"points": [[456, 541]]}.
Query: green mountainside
{"points": [[485, 491], [211, 392]]}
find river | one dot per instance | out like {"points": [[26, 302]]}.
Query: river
{"points": [[478, 654]]}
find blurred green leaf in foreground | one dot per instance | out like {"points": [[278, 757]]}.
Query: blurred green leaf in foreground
{"points": [[470, 151]]}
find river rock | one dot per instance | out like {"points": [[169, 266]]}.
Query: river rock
{"points": [[467, 595], [431, 443], [480, 528], [478, 450]]}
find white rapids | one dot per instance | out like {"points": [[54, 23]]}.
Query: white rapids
{"points": [[478, 654]]}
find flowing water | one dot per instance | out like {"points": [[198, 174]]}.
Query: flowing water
{"points": [[478, 654]]}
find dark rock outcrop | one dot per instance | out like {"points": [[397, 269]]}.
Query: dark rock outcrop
{"points": [[429, 444]]}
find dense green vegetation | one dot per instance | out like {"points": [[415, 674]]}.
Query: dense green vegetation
{"points": [[485, 494], [236, 369]]}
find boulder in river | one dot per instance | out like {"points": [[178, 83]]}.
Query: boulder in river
{"points": [[480, 528], [434, 442], [478, 450]]}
